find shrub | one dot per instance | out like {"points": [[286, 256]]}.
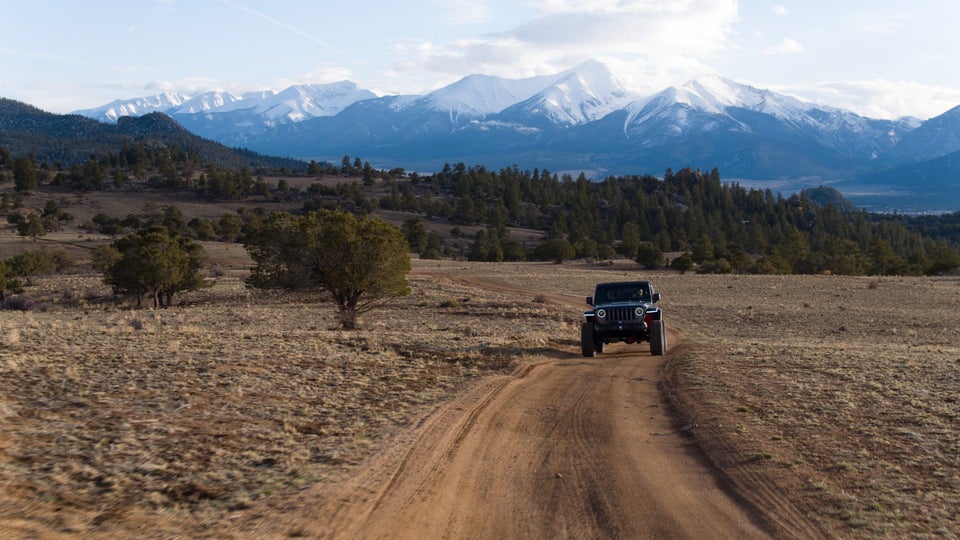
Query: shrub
{"points": [[682, 264], [719, 266], [18, 303]]}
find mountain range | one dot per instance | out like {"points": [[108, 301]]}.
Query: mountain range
{"points": [[589, 119]]}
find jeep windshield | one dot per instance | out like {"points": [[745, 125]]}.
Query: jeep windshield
{"points": [[622, 292]]}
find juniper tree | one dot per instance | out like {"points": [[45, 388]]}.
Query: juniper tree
{"points": [[153, 263], [357, 262]]}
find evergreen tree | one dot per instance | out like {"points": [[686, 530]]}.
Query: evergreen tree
{"points": [[415, 233], [359, 263], [630, 241], [151, 263], [883, 260], [31, 226], [24, 175]]}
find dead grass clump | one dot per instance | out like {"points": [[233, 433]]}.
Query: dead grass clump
{"points": [[11, 337]]}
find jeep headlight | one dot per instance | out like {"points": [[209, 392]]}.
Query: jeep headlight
{"points": [[601, 313], [639, 312]]}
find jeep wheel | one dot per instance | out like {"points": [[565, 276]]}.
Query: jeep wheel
{"points": [[658, 338], [598, 346], [586, 340]]}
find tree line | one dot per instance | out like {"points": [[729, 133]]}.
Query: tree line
{"points": [[722, 227], [719, 227]]}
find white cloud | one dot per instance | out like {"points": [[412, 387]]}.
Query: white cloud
{"points": [[880, 98], [787, 46], [780, 10], [681, 34]]}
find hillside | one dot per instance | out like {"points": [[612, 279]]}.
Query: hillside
{"points": [[70, 139]]}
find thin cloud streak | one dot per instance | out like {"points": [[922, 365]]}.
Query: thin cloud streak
{"points": [[289, 27]]}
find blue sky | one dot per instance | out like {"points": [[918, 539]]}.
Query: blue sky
{"points": [[880, 58]]}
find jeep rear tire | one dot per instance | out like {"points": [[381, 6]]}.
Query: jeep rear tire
{"points": [[658, 338], [586, 340]]}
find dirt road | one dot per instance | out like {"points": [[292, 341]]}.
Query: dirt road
{"points": [[569, 447]]}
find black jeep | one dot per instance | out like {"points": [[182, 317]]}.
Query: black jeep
{"points": [[623, 311]]}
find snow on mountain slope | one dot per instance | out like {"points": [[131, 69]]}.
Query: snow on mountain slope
{"points": [[714, 104], [483, 110], [480, 95], [205, 102], [134, 107], [936, 137], [583, 94], [296, 103], [713, 95], [302, 101], [718, 92]]}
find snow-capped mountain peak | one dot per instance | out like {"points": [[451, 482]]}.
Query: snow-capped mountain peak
{"points": [[478, 95], [207, 101], [294, 104], [714, 94], [582, 94], [135, 107], [303, 101]]}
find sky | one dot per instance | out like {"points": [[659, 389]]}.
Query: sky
{"points": [[878, 58]]}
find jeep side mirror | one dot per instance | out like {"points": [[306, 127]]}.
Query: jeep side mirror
{"points": [[656, 297], [590, 300]]}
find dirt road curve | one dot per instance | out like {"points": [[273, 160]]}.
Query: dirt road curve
{"points": [[568, 448]]}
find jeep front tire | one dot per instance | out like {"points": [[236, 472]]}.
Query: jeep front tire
{"points": [[658, 338], [586, 340]]}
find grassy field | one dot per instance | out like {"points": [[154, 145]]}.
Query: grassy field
{"points": [[236, 396], [843, 390]]}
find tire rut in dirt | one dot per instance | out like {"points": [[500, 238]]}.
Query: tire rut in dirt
{"points": [[572, 447]]}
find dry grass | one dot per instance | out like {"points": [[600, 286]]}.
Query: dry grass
{"points": [[849, 384], [841, 391], [203, 409]]}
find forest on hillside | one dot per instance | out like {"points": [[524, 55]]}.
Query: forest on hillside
{"points": [[688, 220]]}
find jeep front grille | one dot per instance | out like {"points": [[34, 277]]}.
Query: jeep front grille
{"points": [[621, 314]]}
